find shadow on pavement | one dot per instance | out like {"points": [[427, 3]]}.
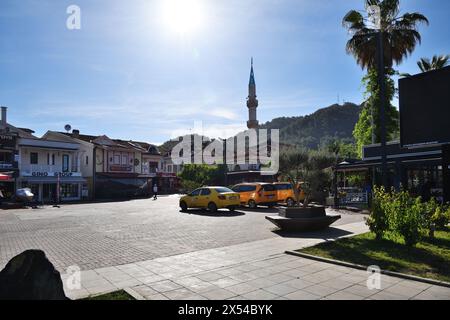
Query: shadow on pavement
{"points": [[219, 213], [261, 210], [329, 233]]}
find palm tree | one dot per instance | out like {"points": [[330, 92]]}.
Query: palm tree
{"points": [[425, 65], [400, 35], [437, 62]]}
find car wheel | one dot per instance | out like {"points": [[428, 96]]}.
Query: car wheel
{"points": [[183, 206], [252, 204], [212, 207], [290, 202], [232, 209]]}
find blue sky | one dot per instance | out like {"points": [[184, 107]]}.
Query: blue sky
{"points": [[129, 73]]}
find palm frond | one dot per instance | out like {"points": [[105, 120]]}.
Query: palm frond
{"points": [[399, 33], [353, 20]]}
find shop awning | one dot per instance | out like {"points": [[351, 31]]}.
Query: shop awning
{"points": [[53, 179], [5, 177]]}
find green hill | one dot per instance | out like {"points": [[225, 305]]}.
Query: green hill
{"points": [[324, 125], [311, 131]]}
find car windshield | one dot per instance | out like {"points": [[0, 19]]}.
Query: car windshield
{"points": [[223, 190]]}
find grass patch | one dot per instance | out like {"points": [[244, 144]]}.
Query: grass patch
{"points": [[430, 258], [117, 295]]}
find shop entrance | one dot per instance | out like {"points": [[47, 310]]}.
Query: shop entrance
{"points": [[49, 192]]}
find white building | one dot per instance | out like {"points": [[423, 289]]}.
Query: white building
{"points": [[86, 156], [45, 164]]}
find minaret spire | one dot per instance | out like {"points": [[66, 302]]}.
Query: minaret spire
{"points": [[252, 102]]}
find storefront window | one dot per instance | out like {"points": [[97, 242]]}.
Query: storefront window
{"points": [[69, 190]]}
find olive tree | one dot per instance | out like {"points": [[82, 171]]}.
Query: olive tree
{"points": [[307, 169]]}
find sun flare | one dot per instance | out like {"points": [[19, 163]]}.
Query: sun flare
{"points": [[184, 17]]}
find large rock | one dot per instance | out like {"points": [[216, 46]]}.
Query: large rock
{"points": [[31, 276]]}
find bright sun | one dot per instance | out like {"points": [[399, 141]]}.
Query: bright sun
{"points": [[183, 16]]}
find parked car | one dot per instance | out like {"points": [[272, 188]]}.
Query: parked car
{"points": [[285, 193], [24, 195], [254, 194], [212, 198]]}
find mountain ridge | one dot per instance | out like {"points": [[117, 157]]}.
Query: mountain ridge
{"points": [[313, 130]]}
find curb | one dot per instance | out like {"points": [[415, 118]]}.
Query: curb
{"points": [[361, 267], [133, 293]]}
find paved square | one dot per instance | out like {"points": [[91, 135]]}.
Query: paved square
{"points": [[157, 253], [110, 234]]}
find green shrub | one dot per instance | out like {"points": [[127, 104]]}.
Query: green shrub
{"points": [[189, 185], [441, 217], [377, 220], [429, 211], [405, 216], [436, 216]]}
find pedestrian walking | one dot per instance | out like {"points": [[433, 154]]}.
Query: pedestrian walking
{"points": [[155, 192]]}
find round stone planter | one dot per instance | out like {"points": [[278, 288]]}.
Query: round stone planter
{"points": [[302, 212], [311, 218]]}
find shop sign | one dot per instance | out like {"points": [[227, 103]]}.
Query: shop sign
{"points": [[122, 168], [7, 141], [54, 174]]}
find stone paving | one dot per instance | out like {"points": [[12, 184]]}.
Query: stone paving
{"points": [[255, 270], [109, 234], [155, 251], [251, 271]]}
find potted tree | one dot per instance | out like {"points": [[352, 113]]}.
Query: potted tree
{"points": [[307, 171]]}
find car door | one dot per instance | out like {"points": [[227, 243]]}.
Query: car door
{"points": [[286, 192], [268, 192], [205, 197], [194, 199], [237, 188]]}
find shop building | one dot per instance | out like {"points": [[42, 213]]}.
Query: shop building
{"points": [[51, 169], [86, 155], [417, 170], [152, 166], [9, 154], [117, 169], [420, 161]]}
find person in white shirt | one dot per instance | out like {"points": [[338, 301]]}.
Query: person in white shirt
{"points": [[155, 192]]}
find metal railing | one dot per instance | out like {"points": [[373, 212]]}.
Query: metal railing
{"points": [[348, 198]]}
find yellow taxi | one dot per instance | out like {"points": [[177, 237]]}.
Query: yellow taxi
{"points": [[285, 193], [212, 198], [258, 193]]}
